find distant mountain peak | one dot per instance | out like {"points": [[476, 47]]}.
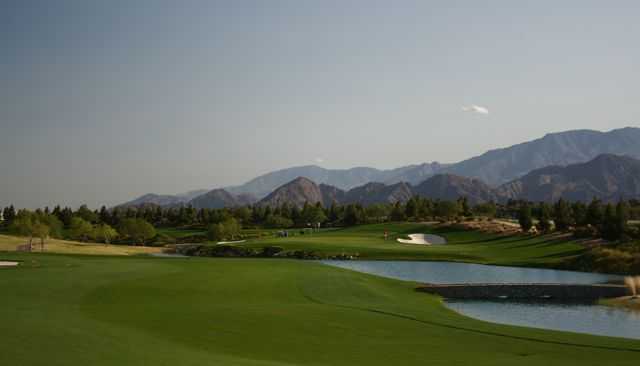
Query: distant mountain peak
{"points": [[607, 177], [448, 186], [560, 148], [495, 167]]}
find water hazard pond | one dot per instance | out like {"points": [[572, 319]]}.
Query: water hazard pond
{"points": [[582, 318]]}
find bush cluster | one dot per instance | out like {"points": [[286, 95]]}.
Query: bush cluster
{"points": [[223, 250]]}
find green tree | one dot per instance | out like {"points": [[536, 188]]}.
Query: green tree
{"points": [[243, 214], [86, 214], [544, 218], [104, 233], [8, 215], [465, 209], [41, 231], [525, 218], [334, 213], [232, 228], [137, 230], [614, 223], [66, 214], [216, 232], [316, 215], [609, 227], [80, 229], [411, 209], [276, 221], [595, 214], [562, 216], [376, 213], [622, 217], [579, 213], [447, 209], [398, 212], [229, 229], [23, 225], [488, 209], [352, 215], [54, 224]]}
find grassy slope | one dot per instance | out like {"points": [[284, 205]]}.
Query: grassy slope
{"points": [[91, 310], [9, 243], [179, 232], [469, 246]]}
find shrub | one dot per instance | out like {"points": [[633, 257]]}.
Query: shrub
{"points": [[137, 230], [225, 251], [190, 250], [271, 251], [585, 232], [304, 254]]}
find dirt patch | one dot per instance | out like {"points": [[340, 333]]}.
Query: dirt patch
{"points": [[8, 264], [492, 226]]}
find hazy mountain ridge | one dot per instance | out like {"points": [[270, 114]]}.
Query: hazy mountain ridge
{"points": [[296, 193], [607, 177], [152, 199], [495, 168], [451, 187], [302, 190], [217, 198], [343, 179], [499, 166], [442, 186], [372, 193]]}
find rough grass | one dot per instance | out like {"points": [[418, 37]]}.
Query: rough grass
{"points": [[10, 243], [92, 310]]}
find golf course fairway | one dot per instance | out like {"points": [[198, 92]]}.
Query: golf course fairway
{"points": [[367, 242], [98, 310]]}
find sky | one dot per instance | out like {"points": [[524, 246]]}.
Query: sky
{"points": [[103, 101]]}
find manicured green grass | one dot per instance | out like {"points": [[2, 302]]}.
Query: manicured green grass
{"points": [[179, 232], [468, 246], [91, 310]]}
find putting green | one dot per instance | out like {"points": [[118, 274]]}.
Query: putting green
{"points": [[93, 310]]}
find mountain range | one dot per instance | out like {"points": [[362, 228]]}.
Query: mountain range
{"points": [[607, 177], [495, 175], [302, 190], [499, 166], [344, 179]]}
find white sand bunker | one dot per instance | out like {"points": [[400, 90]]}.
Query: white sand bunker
{"points": [[8, 264], [423, 239], [231, 242]]}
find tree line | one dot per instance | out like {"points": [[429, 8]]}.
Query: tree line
{"points": [[596, 219], [137, 225], [82, 225]]}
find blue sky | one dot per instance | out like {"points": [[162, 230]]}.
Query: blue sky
{"points": [[103, 101]]}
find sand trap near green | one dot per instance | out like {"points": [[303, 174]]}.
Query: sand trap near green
{"points": [[423, 239]]}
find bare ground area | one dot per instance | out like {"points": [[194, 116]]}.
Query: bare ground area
{"points": [[10, 244]]}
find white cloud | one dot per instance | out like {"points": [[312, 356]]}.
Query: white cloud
{"points": [[319, 160], [476, 109]]}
